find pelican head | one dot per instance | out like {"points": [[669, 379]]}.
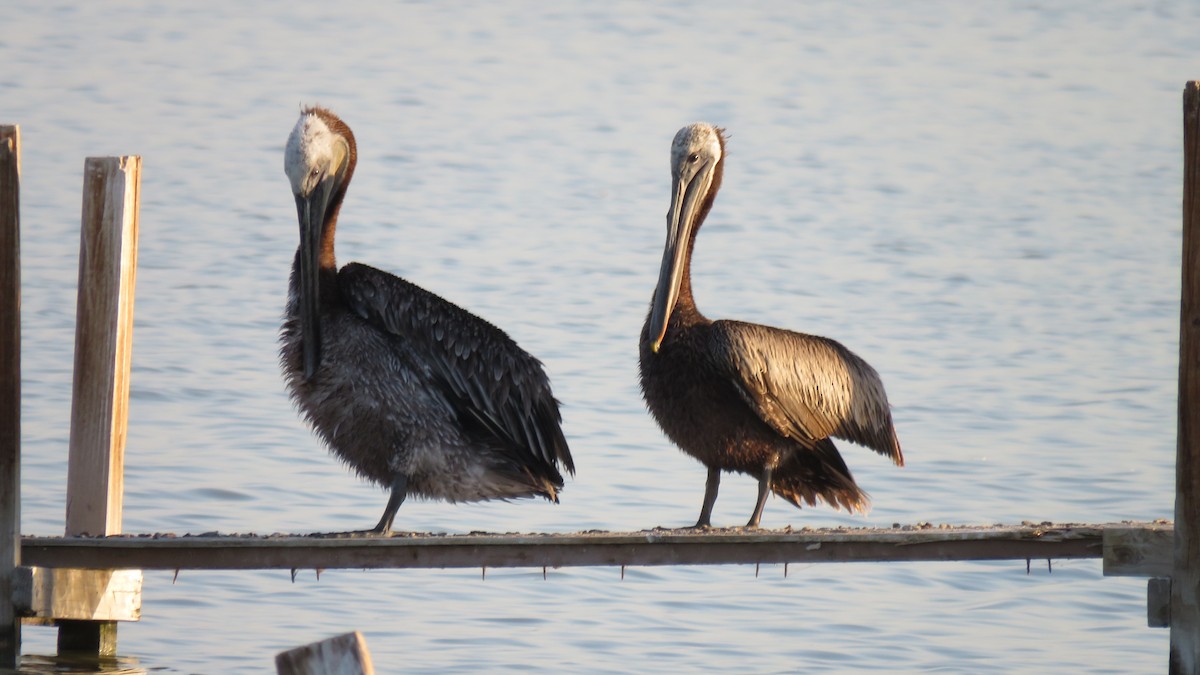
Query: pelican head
{"points": [[696, 167], [318, 160]]}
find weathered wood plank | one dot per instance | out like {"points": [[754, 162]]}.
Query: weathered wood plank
{"points": [[103, 344], [342, 655], [83, 595], [1185, 581], [10, 388], [1158, 603], [1138, 552], [652, 547], [103, 353]]}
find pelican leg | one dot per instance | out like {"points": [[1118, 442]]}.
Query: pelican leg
{"points": [[764, 489], [399, 492], [710, 498]]}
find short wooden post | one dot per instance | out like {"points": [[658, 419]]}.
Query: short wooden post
{"points": [[10, 389], [342, 655], [1158, 602], [1185, 581], [103, 349]]}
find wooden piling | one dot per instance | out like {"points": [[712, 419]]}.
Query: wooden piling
{"points": [[103, 344], [103, 349], [1185, 581], [342, 655], [10, 389]]}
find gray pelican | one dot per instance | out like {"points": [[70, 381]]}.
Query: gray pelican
{"points": [[743, 397], [415, 393]]}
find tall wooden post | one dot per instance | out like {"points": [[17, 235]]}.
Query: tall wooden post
{"points": [[10, 389], [1185, 581], [103, 349]]}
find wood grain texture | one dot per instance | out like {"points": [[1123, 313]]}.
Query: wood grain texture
{"points": [[10, 386], [84, 595], [1185, 581], [342, 655], [103, 354], [103, 344], [651, 547], [1138, 552]]}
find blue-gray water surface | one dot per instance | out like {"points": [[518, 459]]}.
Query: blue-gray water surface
{"points": [[981, 199]]}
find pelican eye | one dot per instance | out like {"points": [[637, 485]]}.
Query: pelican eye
{"points": [[693, 158]]}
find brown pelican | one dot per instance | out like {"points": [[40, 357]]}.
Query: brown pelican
{"points": [[743, 397], [413, 392]]}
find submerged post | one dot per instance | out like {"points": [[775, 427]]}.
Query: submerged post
{"points": [[1185, 581], [103, 349], [10, 389], [342, 655]]}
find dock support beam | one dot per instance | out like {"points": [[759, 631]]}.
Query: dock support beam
{"points": [[103, 349], [10, 390], [1185, 581]]}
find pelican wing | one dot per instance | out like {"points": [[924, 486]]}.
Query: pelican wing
{"points": [[806, 387], [488, 378]]}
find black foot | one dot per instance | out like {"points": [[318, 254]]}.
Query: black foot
{"points": [[353, 534], [711, 486], [399, 492], [764, 489]]}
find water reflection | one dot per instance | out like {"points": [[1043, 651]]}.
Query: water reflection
{"points": [[32, 664]]}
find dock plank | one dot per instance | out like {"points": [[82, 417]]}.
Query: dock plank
{"points": [[644, 548]]}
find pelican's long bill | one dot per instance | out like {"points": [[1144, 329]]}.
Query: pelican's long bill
{"points": [[691, 179], [310, 209], [316, 161]]}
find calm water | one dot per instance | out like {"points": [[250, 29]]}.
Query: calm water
{"points": [[983, 201]]}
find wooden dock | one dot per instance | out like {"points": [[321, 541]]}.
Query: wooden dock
{"points": [[65, 579], [1128, 549]]}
